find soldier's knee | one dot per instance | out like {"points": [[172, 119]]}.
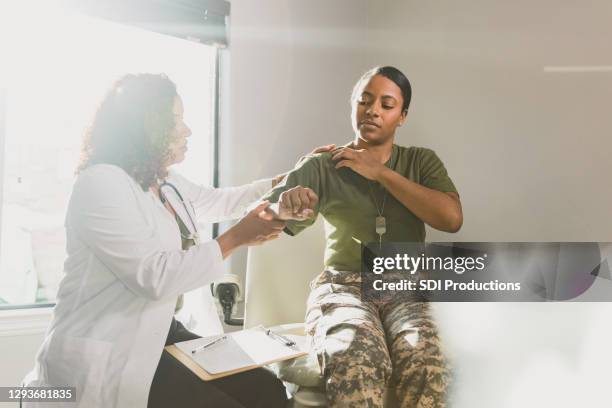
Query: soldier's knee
{"points": [[351, 350], [360, 371], [422, 385], [423, 375], [356, 385]]}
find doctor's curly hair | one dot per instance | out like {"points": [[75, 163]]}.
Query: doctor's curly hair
{"points": [[133, 128]]}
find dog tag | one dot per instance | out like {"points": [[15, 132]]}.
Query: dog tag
{"points": [[381, 225]]}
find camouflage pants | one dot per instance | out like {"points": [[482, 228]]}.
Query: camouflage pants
{"points": [[364, 347]]}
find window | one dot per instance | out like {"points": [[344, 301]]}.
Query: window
{"points": [[59, 67]]}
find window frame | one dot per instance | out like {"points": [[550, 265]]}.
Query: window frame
{"points": [[217, 11]]}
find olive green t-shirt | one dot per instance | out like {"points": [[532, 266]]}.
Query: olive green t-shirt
{"points": [[346, 202]]}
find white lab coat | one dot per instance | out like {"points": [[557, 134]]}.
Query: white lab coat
{"points": [[124, 271]]}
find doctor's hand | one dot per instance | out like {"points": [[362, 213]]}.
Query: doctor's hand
{"points": [[255, 228], [321, 149], [297, 203]]}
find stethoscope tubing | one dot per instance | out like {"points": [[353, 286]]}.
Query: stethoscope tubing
{"points": [[179, 195]]}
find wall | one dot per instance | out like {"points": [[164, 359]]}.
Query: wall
{"points": [[21, 333], [293, 65], [527, 143], [528, 149]]}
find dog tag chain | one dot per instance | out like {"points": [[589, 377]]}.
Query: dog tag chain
{"points": [[381, 222]]}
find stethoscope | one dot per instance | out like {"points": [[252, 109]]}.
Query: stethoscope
{"points": [[194, 236]]}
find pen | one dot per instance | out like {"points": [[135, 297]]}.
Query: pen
{"points": [[286, 341], [210, 343]]}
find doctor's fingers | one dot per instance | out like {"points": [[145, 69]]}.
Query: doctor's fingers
{"points": [[343, 154], [267, 227], [260, 207], [323, 149], [267, 215], [276, 225], [264, 238]]}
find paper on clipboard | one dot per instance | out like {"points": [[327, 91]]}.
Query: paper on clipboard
{"points": [[245, 348]]}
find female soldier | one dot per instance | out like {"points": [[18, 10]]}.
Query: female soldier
{"points": [[369, 187]]}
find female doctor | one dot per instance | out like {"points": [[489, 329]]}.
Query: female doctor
{"points": [[128, 219]]}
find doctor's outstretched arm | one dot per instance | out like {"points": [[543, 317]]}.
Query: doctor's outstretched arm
{"points": [[105, 214], [227, 203]]}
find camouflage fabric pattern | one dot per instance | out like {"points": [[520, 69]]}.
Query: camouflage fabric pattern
{"points": [[363, 347]]}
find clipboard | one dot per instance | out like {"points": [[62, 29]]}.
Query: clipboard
{"points": [[243, 350]]}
